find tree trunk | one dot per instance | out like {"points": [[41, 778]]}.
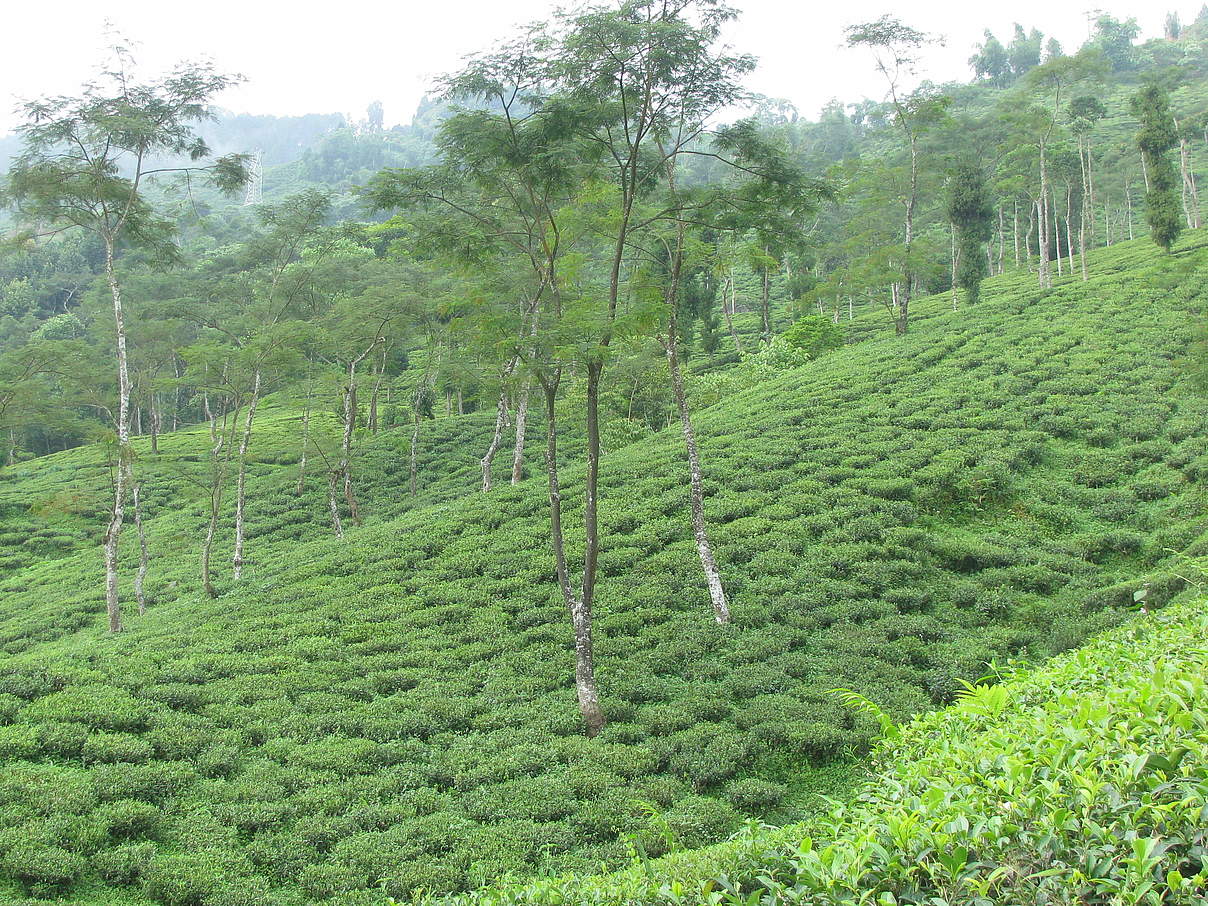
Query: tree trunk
{"points": [[1090, 191], [305, 441], [1191, 200], [1015, 232], [114, 530], [1002, 238], [764, 306], [155, 418], [952, 229], [1056, 228], [333, 482], [521, 425], [501, 423], [176, 392], [1044, 272], [143, 559], [729, 312], [1027, 236], [903, 321], [377, 386], [414, 445], [241, 479], [700, 529], [1081, 240], [501, 420], [579, 610], [350, 417], [218, 466], [591, 497], [1069, 225]]}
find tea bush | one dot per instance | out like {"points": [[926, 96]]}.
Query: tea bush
{"points": [[397, 709], [1084, 781]]}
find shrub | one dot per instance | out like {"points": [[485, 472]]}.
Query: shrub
{"points": [[814, 335], [107, 748], [43, 867], [123, 864], [18, 743], [181, 879], [128, 818], [755, 796]]}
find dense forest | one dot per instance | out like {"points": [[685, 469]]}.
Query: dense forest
{"points": [[612, 486]]}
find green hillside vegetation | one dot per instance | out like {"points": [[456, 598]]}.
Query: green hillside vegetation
{"points": [[820, 429], [1085, 780], [394, 711]]}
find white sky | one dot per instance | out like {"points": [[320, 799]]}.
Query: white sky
{"points": [[298, 61]]}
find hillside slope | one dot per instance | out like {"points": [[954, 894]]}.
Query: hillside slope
{"points": [[1085, 780], [396, 710]]}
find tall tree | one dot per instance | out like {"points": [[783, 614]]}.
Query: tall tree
{"points": [[649, 75], [86, 164], [991, 62], [1156, 137], [1085, 111], [895, 47], [971, 213]]}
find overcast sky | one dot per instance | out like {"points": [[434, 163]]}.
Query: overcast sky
{"points": [[349, 54]]}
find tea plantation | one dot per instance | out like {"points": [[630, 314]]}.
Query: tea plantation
{"points": [[1085, 781], [359, 719]]}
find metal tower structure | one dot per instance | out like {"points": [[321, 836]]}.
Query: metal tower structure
{"points": [[255, 183]]}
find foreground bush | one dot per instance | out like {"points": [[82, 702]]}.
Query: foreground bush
{"points": [[1083, 782]]}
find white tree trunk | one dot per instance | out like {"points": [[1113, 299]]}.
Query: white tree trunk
{"points": [[333, 482], [241, 479], [121, 473], [521, 425], [700, 528], [580, 611], [305, 443], [501, 423]]}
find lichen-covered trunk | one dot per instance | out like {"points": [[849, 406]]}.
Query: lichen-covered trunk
{"points": [[952, 230], [1069, 224], [241, 480], [765, 303], [218, 465], [305, 444], [414, 449], [123, 471], [1042, 213], [902, 324], [1056, 229], [728, 311], [1191, 196], [521, 421], [1015, 230], [377, 387], [501, 420], [696, 490], [578, 608], [350, 414], [156, 422], [333, 482]]}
